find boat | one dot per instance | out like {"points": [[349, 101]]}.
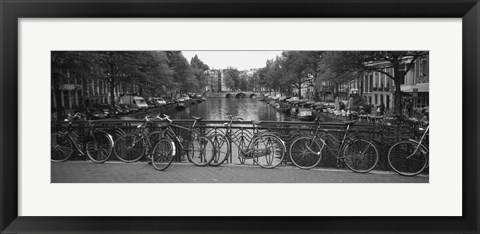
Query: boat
{"points": [[308, 104], [305, 114], [181, 105], [294, 110]]}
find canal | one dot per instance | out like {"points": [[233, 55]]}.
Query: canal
{"points": [[217, 108]]}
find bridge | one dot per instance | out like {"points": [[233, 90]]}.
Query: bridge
{"points": [[235, 94]]}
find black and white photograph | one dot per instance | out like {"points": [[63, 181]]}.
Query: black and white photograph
{"points": [[239, 116]]}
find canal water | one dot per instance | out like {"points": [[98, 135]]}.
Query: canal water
{"points": [[217, 108]]}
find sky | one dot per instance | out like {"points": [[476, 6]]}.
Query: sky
{"points": [[242, 60]]}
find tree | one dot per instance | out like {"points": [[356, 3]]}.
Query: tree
{"points": [[335, 67], [232, 78], [154, 73], [68, 64], [299, 66], [200, 72], [243, 82], [182, 72]]}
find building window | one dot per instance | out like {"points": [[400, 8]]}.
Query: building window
{"points": [[423, 67], [376, 99], [371, 82], [382, 77]]}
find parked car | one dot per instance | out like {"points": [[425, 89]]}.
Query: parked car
{"points": [[130, 109], [109, 110], [134, 101], [122, 109], [92, 113], [158, 101], [150, 104]]}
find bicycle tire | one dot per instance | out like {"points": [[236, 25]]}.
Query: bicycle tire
{"points": [[200, 151], [162, 154], [222, 149], [398, 161], [306, 153], [273, 148], [358, 160], [100, 149], [129, 147], [61, 147]]}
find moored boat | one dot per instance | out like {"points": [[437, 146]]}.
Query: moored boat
{"points": [[305, 114], [181, 105], [294, 110]]}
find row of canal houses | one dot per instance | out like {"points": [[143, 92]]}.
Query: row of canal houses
{"points": [[377, 88]]}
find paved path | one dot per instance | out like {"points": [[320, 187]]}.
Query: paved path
{"points": [[118, 172]]}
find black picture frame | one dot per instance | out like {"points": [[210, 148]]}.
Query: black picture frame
{"points": [[11, 11]]}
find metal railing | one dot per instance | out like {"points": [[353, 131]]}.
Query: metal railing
{"points": [[382, 134]]}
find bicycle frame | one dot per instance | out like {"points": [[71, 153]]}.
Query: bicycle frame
{"points": [[342, 142], [171, 134], [419, 143], [73, 137]]}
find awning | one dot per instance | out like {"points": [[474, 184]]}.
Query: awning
{"points": [[422, 88]]}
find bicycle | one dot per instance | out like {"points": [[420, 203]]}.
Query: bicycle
{"points": [[410, 157], [131, 147], [360, 155], [96, 144], [266, 149], [199, 148]]}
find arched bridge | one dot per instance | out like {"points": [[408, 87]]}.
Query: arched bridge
{"points": [[236, 94]]}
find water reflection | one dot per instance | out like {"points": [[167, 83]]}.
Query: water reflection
{"points": [[217, 108]]}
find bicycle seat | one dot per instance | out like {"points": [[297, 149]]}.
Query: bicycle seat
{"points": [[350, 123], [256, 122], [197, 118]]}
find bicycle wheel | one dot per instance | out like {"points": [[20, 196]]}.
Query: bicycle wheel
{"points": [[162, 154], [222, 149], [305, 152], [129, 147], [200, 151], [267, 151], [360, 155], [100, 147], [405, 161], [61, 147]]}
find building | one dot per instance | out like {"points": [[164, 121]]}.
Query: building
{"points": [[76, 92], [377, 88], [214, 81]]}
